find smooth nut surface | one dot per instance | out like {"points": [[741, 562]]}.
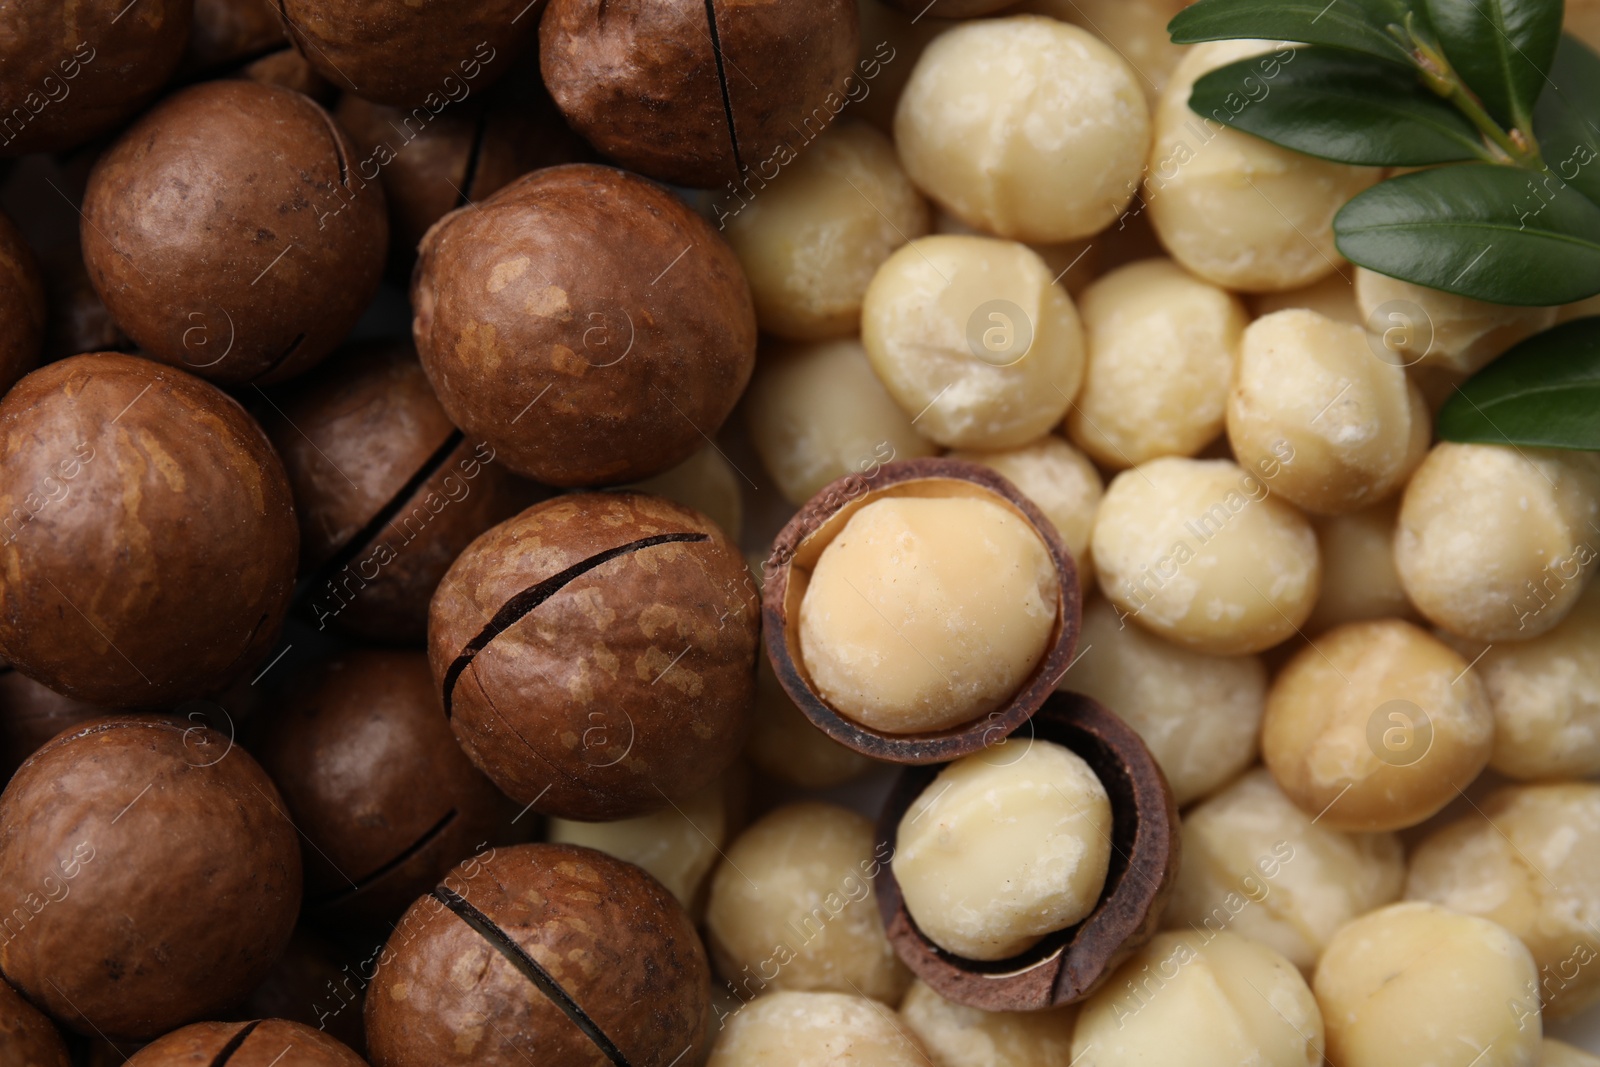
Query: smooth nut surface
{"points": [[1359, 578], [806, 1029], [1424, 327], [955, 1035]]}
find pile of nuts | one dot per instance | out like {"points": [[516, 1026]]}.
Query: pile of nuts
{"points": [[757, 533]]}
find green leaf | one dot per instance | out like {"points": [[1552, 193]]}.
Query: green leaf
{"points": [[1355, 25], [1495, 233], [1544, 393], [1340, 106], [1501, 48], [1567, 117]]}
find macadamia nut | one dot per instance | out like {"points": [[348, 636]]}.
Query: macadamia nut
{"points": [[1376, 726], [1259, 866], [784, 743], [792, 908], [1497, 543], [1024, 126], [1333, 297], [1414, 984], [1000, 850], [1353, 425], [1359, 579], [812, 239], [1161, 348], [1072, 263], [1198, 552], [1197, 713], [1135, 29], [958, 1036], [1428, 328], [1529, 860], [1201, 999], [791, 1029], [678, 845], [1231, 207], [974, 340], [924, 613]]}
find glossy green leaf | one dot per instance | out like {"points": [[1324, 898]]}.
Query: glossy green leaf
{"points": [[1501, 48], [1495, 233], [1567, 117], [1341, 106], [1544, 393], [1356, 25]]}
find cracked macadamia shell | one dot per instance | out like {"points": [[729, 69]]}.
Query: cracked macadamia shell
{"points": [[586, 323], [955, 1035], [150, 542], [1497, 543], [792, 908], [974, 340], [597, 653], [1026, 127], [618, 947], [1424, 327], [157, 875], [1161, 350], [1232, 208], [247, 1044], [784, 743], [1376, 727], [1198, 552], [1000, 850], [228, 235], [1400, 984], [794, 1029]]}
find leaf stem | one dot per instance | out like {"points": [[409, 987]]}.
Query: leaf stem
{"points": [[1517, 148]]}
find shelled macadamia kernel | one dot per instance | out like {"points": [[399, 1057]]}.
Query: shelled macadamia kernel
{"points": [[811, 240], [955, 1035], [1065, 158], [1259, 866], [1135, 29], [1354, 425], [1359, 579], [792, 908], [1428, 328], [1199, 552], [1376, 726], [1222, 999], [1197, 713], [1072, 263], [1002, 849], [802, 1029], [1529, 860], [1410, 983], [1161, 348], [974, 340], [1497, 543]]}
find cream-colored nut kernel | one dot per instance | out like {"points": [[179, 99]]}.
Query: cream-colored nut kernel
{"points": [[794, 1029], [1415, 984], [1376, 726], [1072, 263], [1198, 714], [955, 1035], [974, 340], [1497, 543], [1333, 297], [1545, 693], [678, 845], [817, 412], [1161, 347], [1025, 127], [1349, 427], [784, 743], [1359, 579], [706, 482], [1201, 999], [922, 614], [1428, 328], [1259, 866], [1064, 485], [1001, 849], [1560, 1054], [1233, 208], [811, 240], [1135, 29], [1530, 861], [1198, 552], [792, 907]]}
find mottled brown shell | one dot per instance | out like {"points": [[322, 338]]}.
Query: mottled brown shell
{"points": [[228, 235], [150, 873], [813, 527], [75, 70], [258, 1043], [619, 950], [22, 307], [375, 781], [629, 683], [30, 715], [147, 537], [586, 323], [1069, 965], [655, 84], [27, 1038]]}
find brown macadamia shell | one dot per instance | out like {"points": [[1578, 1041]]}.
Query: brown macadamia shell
{"points": [[27, 1037], [258, 1043], [22, 306]]}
